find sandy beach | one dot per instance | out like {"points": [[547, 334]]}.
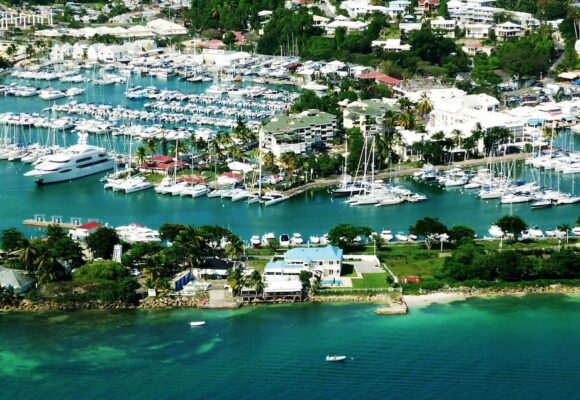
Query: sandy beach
{"points": [[427, 299]]}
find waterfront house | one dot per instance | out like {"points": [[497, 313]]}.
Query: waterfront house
{"points": [[298, 133], [325, 262], [81, 232], [229, 178], [13, 279], [162, 165]]}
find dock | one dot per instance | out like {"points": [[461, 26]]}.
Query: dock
{"points": [[40, 221], [333, 181]]}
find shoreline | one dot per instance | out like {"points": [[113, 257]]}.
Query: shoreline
{"points": [[386, 306], [462, 294]]}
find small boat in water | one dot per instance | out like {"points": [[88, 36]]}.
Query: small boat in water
{"points": [[197, 323], [335, 358]]}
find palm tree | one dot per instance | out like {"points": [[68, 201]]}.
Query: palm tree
{"points": [[27, 255], [405, 104], [30, 52], [141, 154], [456, 136], [236, 153], [235, 247], [235, 280], [424, 105], [11, 50], [47, 268], [151, 146], [190, 242], [256, 281], [269, 159], [407, 120]]}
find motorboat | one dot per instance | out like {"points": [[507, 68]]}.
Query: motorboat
{"points": [[314, 239], [514, 198], [74, 162], [297, 239], [386, 235], [135, 184], [255, 241], [541, 204], [284, 240], [267, 238], [197, 323], [495, 232], [401, 237], [335, 358], [195, 191]]}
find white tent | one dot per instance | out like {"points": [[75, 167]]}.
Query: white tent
{"points": [[237, 166], [139, 31]]}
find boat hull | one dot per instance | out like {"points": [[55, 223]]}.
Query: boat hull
{"points": [[50, 178]]}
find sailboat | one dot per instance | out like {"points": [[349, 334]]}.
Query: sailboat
{"points": [[131, 183], [348, 187]]}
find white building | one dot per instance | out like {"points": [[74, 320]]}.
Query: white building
{"points": [[325, 262], [508, 30], [391, 45], [477, 31], [347, 24], [298, 133], [367, 115], [361, 8], [162, 27], [444, 25], [397, 7]]}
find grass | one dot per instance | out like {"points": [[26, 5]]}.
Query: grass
{"points": [[257, 263], [371, 281]]}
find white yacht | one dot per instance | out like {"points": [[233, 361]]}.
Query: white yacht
{"points": [[273, 197], [297, 239], [75, 162], [386, 235], [195, 191]]}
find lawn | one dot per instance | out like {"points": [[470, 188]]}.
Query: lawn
{"points": [[371, 281], [257, 263]]}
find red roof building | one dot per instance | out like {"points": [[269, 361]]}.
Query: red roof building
{"points": [[411, 279], [379, 77], [161, 164]]}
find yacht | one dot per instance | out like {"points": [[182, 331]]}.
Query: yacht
{"points": [[297, 239], [135, 184], [267, 238], [495, 232], [75, 162], [386, 235], [195, 191], [255, 241], [314, 239], [165, 185], [284, 240]]}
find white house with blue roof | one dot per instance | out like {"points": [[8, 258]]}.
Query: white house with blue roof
{"points": [[325, 262]]}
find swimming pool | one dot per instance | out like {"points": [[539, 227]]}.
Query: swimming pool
{"points": [[331, 282]]}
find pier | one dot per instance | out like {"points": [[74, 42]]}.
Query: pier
{"points": [[40, 221]]}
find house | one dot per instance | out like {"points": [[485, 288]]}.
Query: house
{"points": [[13, 279], [477, 31], [508, 30], [216, 268], [345, 23], [474, 48], [229, 178], [298, 133], [379, 77], [325, 262], [361, 8], [319, 21], [446, 26], [406, 27], [81, 232], [397, 7], [162, 165], [391, 45]]}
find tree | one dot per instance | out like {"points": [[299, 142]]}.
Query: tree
{"points": [[274, 245], [424, 105], [429, 228], [235, 280], [345, 236], [235, 247], [170, 231], [305, 279], [11, 50], [460, 234], [29, 51], [566, 229], [102, 241], [12, 240], [229, 38], [141, 154], [512, 224], [100, 270]]}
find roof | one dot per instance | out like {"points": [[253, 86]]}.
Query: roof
{"points": [[304, 120], [161, 159], [281, 286], [309, 254], [379, 76], [10, 278], [89, 225]]}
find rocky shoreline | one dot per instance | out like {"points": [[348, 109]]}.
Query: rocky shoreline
{"points": [[386, 304]]}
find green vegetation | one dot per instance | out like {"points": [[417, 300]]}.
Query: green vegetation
{"points": [[371, 281]]}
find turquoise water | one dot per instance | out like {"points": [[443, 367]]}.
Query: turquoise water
{"points": [[506, 348], [312, 213]]}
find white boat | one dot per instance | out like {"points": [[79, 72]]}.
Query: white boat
{"points": [[75, 162], [267, 238], [135, 184], [255, 241], [197, 323], [297, 239], [495, 232], [51, 94], [314, 239], [386, 235], [515, 198], [273, 197], [195, 191], [284, 240], [335, 358], [165, 185], [401, 237]]}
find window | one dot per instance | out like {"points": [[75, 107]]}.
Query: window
{"points": [[84, 159]]}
